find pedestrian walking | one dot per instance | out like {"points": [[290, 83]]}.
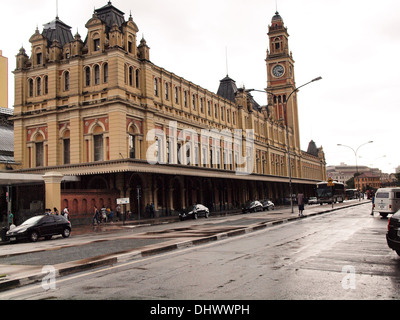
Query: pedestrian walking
{"points": [[300, 202], [118, 211], [147, 210], [65, 213], [95, 216], [152, 210], [10, 218], [373, 204], [103, 214], [111, 215], [56, 212]]}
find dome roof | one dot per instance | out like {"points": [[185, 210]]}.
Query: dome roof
{"points": [[276, 17]]}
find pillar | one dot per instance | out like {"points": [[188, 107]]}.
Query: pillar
{"points": [[53, 190]]}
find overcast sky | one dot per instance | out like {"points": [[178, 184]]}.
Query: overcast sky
{"points": [[354, 45]]}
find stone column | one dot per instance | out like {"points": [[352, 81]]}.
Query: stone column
{"points": [[53, 190]]}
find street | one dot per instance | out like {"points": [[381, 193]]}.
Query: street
{"points": [[339, 255]]}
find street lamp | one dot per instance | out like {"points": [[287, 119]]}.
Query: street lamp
{"points": [[355, 153], [287, 132]]}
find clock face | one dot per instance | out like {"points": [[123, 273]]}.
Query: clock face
{"points": [[278, 71]]}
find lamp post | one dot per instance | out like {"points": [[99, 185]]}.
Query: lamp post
{"points": [[287, 133], [355, 153]]}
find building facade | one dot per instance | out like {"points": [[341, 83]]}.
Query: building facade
{"points": [[100, 111], [367, 181]]}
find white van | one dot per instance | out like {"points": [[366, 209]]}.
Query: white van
{"points": [[387, 201]]}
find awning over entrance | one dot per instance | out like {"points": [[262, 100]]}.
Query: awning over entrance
{"points": [[17, 179]]}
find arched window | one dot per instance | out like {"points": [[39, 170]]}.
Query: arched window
{"points": [[131, 76], [96, 74], [137, 78], [105, 73], [30, 85], [46, 84], [96, 44], [277, 43], [87, 76], [39, 86], [156, 87], [66, 81], [98, 145]]}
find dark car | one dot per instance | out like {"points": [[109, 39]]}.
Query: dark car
{"points": [[252, 206], [268, 205], [194, 212], [393, 233], [40, 226]]}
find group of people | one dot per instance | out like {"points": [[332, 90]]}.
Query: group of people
{"points": [[64, 212], [150, 210], [103, 215]]}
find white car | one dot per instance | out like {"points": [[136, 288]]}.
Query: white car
{"points": [[313, 200]]}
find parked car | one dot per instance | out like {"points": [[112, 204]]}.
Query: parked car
{"points": [[268, 205], [40, 226], [252, 206], [312, 200], [194, 212], [393, 233]]}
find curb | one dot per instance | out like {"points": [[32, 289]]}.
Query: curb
{"points": [[96, 262]]}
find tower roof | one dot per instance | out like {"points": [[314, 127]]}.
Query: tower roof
{"points": [[312, 148], [276, 17], [227, 89], [110, 15], [57, 30]]}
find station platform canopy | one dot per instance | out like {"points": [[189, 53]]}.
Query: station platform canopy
{"points": [[18, 179]]}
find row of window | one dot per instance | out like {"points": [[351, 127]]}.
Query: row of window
{"points": [[41, 86], [195, 103]]}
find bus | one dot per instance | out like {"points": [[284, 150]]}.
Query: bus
{"points": [[325, 194], [351, 194]]}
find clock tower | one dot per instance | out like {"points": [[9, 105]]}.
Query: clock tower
{"points": [[281, 79]]}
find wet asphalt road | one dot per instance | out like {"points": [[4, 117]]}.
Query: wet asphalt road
{"points": [[340, 255]]}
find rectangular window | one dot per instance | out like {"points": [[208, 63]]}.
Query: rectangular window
{"points": [[39, 154], [105, 73], [46, 85], [166, 91], [66, 150], [176, 95], [98, 147], [185, 98], [132, 147]]}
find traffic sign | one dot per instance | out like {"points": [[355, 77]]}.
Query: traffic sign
{"points": [[123, 201]]}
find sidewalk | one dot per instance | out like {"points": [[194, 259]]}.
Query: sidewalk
{"points": [[12, 276]]}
